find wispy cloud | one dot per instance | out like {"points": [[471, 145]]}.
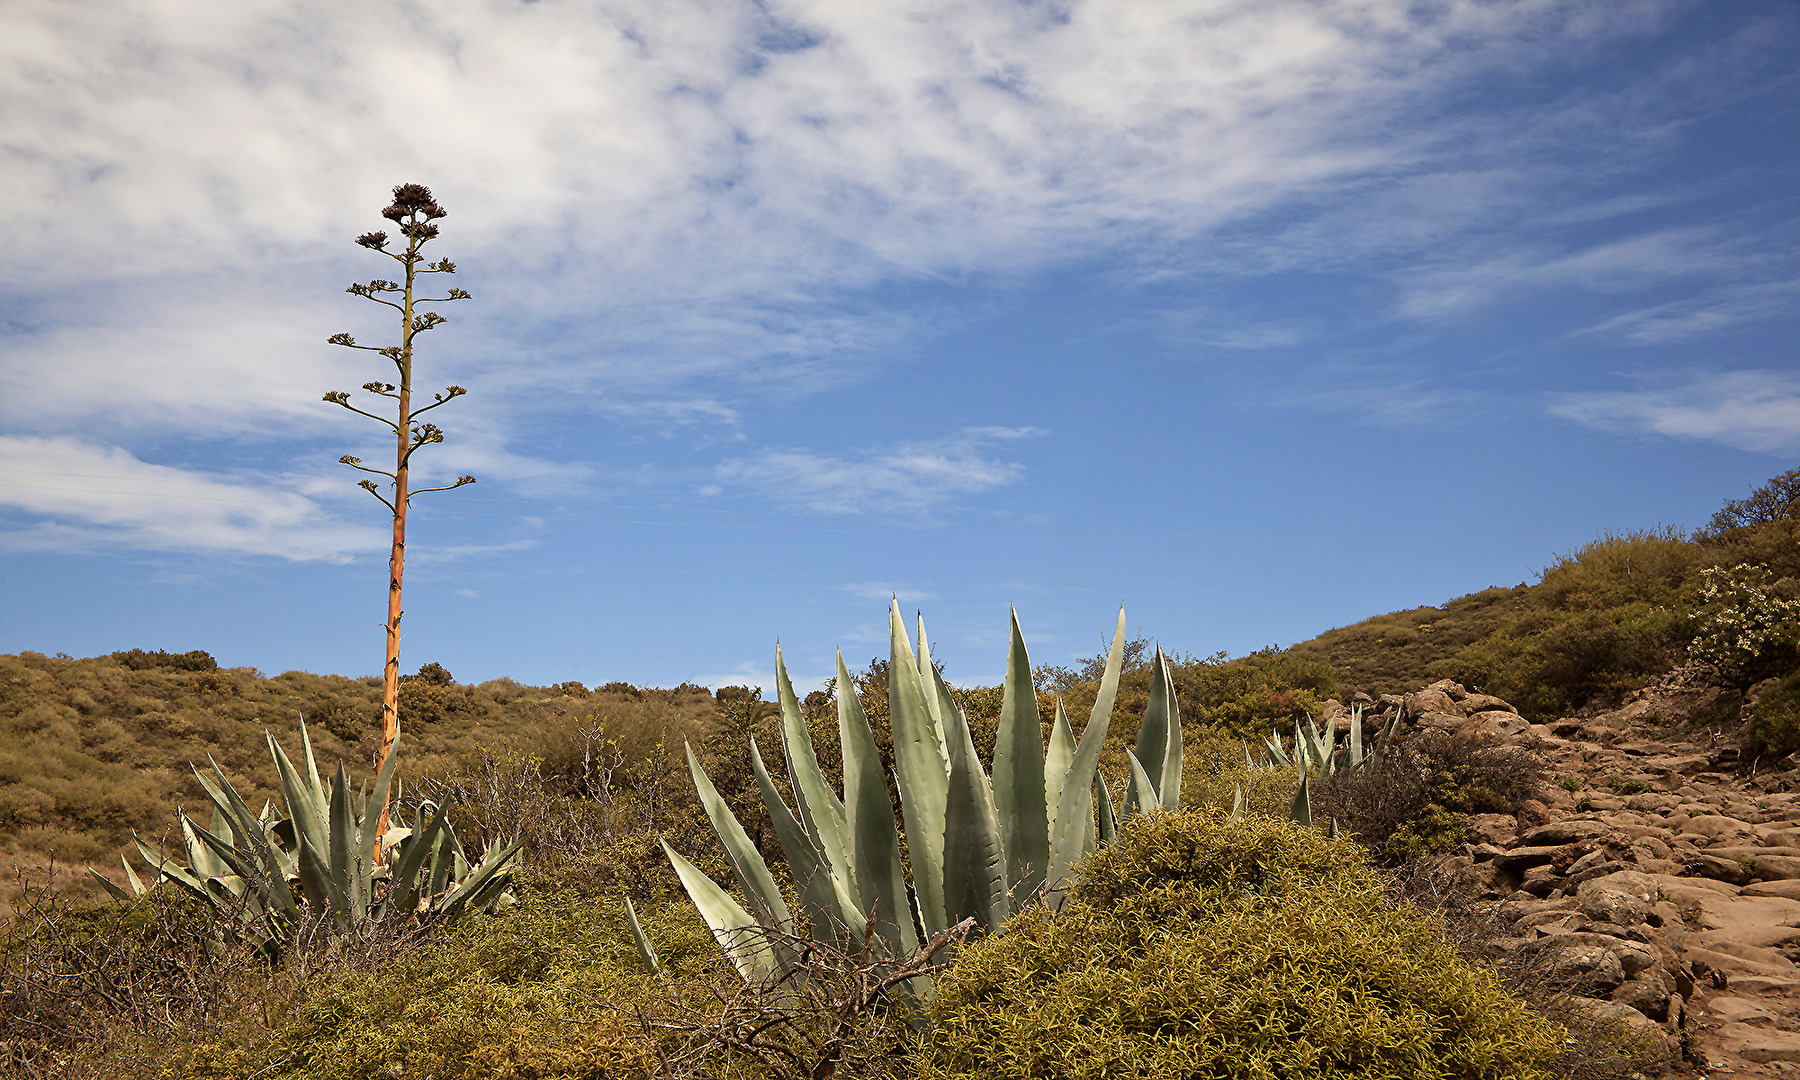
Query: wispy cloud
{"points": [[1748, 410], [909, 477], [80, 491], [678, 190], [885, 591], [1714, 311], [1439, 290]]}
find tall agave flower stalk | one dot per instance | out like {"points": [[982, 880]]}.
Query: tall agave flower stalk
{"points": [[979, 846]]}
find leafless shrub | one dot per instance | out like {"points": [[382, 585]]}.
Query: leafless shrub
{"points": [[100, 979], [836, 1012], [1413, 802]]}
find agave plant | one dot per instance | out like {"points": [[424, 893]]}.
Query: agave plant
{"points": [[1316, 751], [318, 864], [979, 846]]}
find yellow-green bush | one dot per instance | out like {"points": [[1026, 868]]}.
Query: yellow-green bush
{"points": [[1197, 947]]}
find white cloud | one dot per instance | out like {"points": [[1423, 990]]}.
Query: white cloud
{"points": [[1710, 313], [85, 492], [1748, 410], [909, 477], [690, 187], [1435, 291], [887, 591], [663, 207]]}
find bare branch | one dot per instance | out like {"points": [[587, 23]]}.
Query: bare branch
{"points": [[449, 394], [460, 481], [341, 397], [356, 463], [369, 486], [349, 342]]}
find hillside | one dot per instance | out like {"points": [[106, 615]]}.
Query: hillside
{"points": [[93, 749], [96, 748]]}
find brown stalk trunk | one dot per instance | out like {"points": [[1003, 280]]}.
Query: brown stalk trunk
{"points": [[390, 687]]}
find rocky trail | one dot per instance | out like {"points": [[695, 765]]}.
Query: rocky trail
{"points": [[1658, 877]]}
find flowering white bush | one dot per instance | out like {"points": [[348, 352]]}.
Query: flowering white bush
{"points": [[1739, 619]]}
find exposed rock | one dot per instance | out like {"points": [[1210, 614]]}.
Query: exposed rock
{"points": [[1480, 703], [1440, 720], [1492, 828], [1431, 701], [1760, 1044]]}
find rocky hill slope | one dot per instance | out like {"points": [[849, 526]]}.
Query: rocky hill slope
{"points": [[1658, 879]]}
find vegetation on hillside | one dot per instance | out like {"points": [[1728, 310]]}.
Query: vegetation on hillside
{"points": [[589, 782], [1603, 620]]}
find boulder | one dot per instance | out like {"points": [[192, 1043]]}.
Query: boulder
{"points": [[1716, 828], [1431, 701], [1620, 899], [1759, 1044], [1480, 703], [1491, 828]]}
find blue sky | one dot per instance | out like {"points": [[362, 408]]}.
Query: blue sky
{"points": [[1258, 318]]}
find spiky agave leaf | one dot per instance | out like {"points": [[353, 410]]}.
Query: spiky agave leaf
{"points": [[869, 819], [920, 772], [975, 884], [825, 895], [820, 810], [746, 862], [744, 940], [1019, 774], [1071, 836]]}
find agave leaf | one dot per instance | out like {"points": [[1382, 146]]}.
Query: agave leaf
{"points": [[316, 883], [820, 809], [1159, 739], [306, 812], [403, 880], [1238, 804], [1109, 821], [1356, 742], [1074, 807], [746, 862], [169, 869], [1141, 797], [737, 933], [646, 951], [824, 894], [366, 840], [1057, 758], [222, 857], [974, 852], [316, 789], [869, 821], [246, 833], [342, 857], [920, 773], [483, 881], [1019, 798], [1301, 811], [933, 702], [200, 858], [118, 893]]}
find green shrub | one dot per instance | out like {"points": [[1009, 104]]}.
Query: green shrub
{"points": [[1745, 621], [142, 660], [1774, 727], [1198, 947]]}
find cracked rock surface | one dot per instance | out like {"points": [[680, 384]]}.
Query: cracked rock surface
{"points": [[1661, 881]]}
